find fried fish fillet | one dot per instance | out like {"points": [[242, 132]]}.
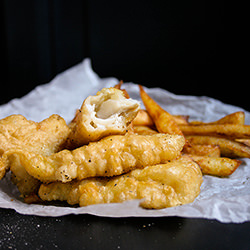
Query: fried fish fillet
{"points": [[108, 112], [175, 183], [25, 183], [45, 137], [113, 155], [3, 166]]}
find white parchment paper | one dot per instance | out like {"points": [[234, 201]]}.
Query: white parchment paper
{"points": [[224, 199]]}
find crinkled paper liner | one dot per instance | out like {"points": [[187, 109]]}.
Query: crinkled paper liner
{"points": [[223, 199]]}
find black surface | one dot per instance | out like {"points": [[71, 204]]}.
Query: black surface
{"points": [[182, 46], [92, 232]]}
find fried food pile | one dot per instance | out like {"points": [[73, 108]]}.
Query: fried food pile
{"points": [[163, 185], [113, 151]]}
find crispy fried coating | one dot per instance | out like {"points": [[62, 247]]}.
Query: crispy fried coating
{"points": [[144, 130], [25, 183], [109, 112], [175, 183], [233, 118], [229, 148], [217, 166], [45, 137], [202, 150], [113, 155], [3, 166], [144, 119], [164, 122]]}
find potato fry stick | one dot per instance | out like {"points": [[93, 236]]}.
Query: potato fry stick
{"points": [[113, 155], [181, 119], [232, 131], [244, 141], [143, 119], [221, 167], [234, 118], [228, 148], [164, 121], [118, 85], [144, 130], [202, 150]]}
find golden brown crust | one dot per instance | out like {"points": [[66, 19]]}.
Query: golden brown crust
{"points": [[217, 166], [229, 148], [109, 112], [113, 155], [45, 137], [160, 186], [164, 122]]}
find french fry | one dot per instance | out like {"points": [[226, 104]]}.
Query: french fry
{"points": [[233, 131], [217, 166], [144, 119], [244, 141], [234, 118], [202, 150], [118, 86], [144, 130], [181, 119], [164, 121], [228, 148]]}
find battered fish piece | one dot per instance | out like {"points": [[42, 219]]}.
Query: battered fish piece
{"points": [[109, 112], [113, 155], [144, 130], [3, 166], [25, 183], [45, 137], [175, 183]]}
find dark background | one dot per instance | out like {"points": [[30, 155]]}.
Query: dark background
{"points": [[179, 45]]}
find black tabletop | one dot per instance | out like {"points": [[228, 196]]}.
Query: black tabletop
{"points": [[92, 232]]}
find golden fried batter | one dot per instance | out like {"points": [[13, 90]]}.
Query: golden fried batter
{"points": [[144, 130], [3, 166], [45, 137], [175, 183], [113, 155], [25, 183], [108, 112]]}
